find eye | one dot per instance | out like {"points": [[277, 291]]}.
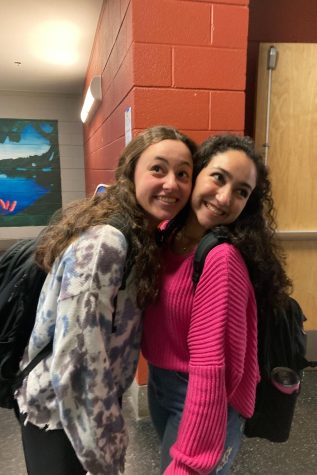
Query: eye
{"points": [[218, 177], [243, 193], [184, 175], [156, 169]]}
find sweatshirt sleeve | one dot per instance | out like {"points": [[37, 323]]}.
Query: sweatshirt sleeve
{"points": [[216, 342], [80, 371]]}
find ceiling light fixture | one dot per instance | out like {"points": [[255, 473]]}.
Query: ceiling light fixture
{"points": [[92, 99]]}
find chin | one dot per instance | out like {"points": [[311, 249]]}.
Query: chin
{"points": [[167, 215], [207, 224], [159, 218]]}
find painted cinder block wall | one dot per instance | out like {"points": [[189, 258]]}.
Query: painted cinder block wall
{"points": [[177, 62]]}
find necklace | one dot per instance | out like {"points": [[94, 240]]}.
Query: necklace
{"points": [[184, 243]]}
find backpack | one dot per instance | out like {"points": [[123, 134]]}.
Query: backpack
{"points": [[21, 281], [282, 348], [281, 355]]}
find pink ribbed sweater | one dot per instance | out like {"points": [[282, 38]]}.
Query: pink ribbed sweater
{"points": [[211, 333]]}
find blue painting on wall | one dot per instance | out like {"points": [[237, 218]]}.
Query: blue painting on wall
{"points": [[30, 179]]}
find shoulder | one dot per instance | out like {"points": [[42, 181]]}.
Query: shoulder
{"points": [[104, 233], [99, 239], [97, 255], [226, 253], [225, 260], [225, 272]]}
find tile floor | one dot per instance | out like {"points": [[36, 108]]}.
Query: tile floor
{"points": [[257, 457]]}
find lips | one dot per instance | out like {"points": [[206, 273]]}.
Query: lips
{"points": [[166, 199], [214, 209]]}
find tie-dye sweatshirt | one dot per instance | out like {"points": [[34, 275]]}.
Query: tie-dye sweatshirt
{"points": [[77, 387], [211, 333]]}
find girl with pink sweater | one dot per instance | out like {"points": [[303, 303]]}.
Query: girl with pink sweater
{"points": [[201, 342]]}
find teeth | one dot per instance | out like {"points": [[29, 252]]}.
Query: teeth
{"points": [[215, 210], [166, 199]]}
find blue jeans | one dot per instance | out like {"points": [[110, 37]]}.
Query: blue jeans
{"points": [[166, 396]]}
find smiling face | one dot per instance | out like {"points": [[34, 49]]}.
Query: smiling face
{"points": [[222, 188], [163, 179]]}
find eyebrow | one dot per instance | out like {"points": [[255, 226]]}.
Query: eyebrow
{"points": [[226, 173], [184, 162]]}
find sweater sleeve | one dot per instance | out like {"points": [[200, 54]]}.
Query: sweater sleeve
{"points": [[80, 372], [216, 342]]}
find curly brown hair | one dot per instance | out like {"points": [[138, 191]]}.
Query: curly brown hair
{"points": [[119, 199], [254, 231]]}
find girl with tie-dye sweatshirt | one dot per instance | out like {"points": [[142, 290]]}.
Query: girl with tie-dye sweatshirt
{"points": [[69, 404]]}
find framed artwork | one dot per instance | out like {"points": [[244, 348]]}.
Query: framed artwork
{"points": [[30, 177]]}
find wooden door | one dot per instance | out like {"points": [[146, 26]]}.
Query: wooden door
{"points": [[292, 159]]}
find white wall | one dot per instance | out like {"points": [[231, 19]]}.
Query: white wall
{"points": [[66, 110]]}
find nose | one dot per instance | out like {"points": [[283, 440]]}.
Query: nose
{"points": [[224, 196], [170, 182]]}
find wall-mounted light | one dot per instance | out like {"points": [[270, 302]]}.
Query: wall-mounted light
{"points": [[92, 99]]}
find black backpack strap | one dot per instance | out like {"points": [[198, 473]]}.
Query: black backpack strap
{"points": [[39, 357], [206, 244]]}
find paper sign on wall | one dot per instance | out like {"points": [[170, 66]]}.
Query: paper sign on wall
{"points": [[127, 125]]}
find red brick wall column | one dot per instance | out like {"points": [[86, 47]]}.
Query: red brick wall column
{"points": [[190, 64]]}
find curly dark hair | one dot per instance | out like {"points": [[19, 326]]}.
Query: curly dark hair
{"points": [[119, 199], [254, 231]]}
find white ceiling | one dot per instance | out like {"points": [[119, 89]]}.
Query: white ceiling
{"points": [[52, 39]]}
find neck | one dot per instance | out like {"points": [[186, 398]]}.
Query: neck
{"points": [[188, 236], [192, 228]]}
